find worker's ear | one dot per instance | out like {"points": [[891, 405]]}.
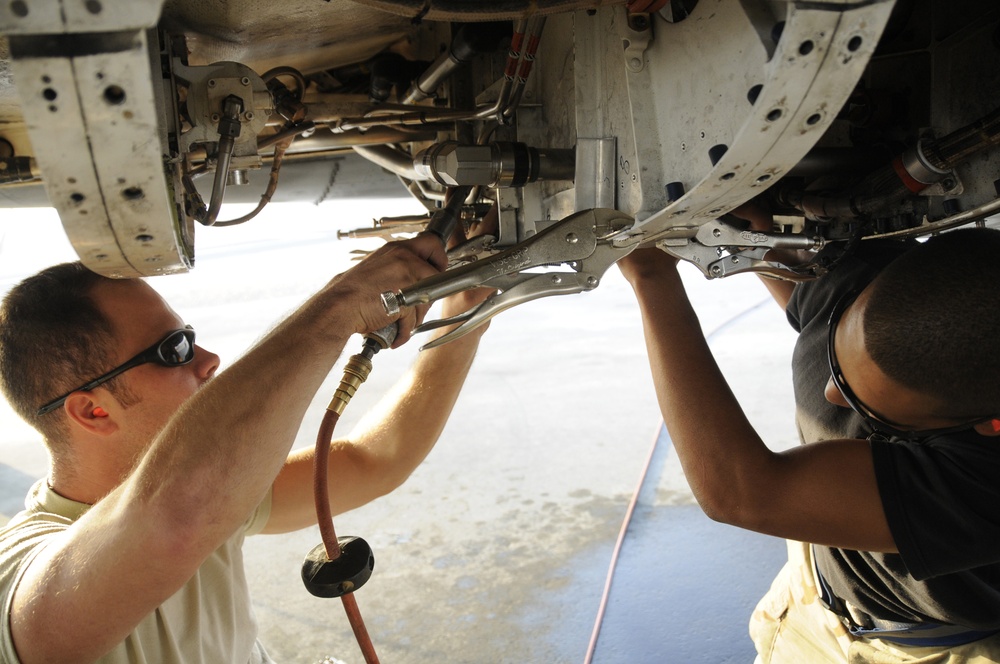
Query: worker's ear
{"points": [[988, 428], [85, 411]]}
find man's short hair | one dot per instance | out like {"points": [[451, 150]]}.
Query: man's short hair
{"points": [[932, 321], [53, 338]]}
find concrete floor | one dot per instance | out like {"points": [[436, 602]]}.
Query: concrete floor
{"points": [[497, 548]]}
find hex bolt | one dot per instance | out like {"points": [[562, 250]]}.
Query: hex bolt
{"points": [[638, 22]]}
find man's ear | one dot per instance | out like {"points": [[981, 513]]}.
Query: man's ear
{"points": [[85, 411], [988, 428]]}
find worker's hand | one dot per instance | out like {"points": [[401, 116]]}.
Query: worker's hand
{"points": [[757, 214], [392, 267], [469, 299]]}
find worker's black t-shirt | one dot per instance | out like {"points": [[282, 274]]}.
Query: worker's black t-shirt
{"points": [[941, 496]]}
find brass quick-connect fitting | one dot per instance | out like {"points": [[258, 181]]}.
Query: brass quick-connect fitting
{"points": [[355, 373]]}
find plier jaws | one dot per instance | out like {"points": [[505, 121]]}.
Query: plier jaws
{"points": [[585, 242]]}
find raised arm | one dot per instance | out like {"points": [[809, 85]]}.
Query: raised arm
{"points": [[390, 442], [823, 493]]}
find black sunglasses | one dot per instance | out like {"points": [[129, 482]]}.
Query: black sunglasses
{"points": [[875, 422], [174, 350]]}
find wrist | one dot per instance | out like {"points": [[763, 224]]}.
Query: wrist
{"points": [[647, 274]]}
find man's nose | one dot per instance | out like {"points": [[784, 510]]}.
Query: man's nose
{"points": [[206, 362], [833, 394]]}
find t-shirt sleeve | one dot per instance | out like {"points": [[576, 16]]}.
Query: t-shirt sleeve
{"points": [[18, 547], [940, 499], [259, 518]]}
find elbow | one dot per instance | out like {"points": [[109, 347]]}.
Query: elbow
{"points": [[737, 502], [726, 509]]}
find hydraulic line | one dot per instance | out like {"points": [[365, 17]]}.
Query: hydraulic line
{"points": [[527, 61], [501, 110], [229, 131], [471, 40], [272, 184], [928, 162]]}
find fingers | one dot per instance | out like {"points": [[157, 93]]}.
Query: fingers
{"points": [[755, 211], [391, 268], [428, 247], [409, 318]]}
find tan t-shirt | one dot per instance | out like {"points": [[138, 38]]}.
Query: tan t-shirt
{"points": [[208, 620]]}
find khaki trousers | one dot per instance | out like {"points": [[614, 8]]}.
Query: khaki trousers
{"points": [[791, 626]]}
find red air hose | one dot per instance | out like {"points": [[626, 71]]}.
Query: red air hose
{"points": [[356, 372], [324, 518]]}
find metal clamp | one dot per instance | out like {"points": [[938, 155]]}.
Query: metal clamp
{"points": [[746, 251], [582, 242]]}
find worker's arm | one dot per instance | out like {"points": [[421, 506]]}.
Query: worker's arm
{"points": [[390, 442], [203, 474], [762, 220], [823, 493]]}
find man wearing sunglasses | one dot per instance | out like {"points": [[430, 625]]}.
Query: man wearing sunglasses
{"points": [[891, 506], [129, 550]]}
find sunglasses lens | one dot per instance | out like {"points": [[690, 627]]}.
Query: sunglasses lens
{"points": [[178, 348]]}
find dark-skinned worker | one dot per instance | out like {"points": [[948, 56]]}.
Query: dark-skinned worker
{"points": [[129, 549], [892, 503]]}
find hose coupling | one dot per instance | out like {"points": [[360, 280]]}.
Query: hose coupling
{"points": [[355, 373]]}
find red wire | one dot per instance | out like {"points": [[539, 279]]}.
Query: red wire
{"points": [[324, 517], [592, 647]]}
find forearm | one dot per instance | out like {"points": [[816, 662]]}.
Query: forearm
{"points": [[722, 456], [387, 444], [401, 431], [229, 441]]}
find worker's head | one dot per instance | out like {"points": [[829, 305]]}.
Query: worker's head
{"points": [[67, 326], [919, 349]]}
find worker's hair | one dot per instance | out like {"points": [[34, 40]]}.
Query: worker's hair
{"points": [[932, 321], [53, 338]]}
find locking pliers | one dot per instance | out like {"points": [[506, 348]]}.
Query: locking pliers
{"points": [[588, 242]]}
